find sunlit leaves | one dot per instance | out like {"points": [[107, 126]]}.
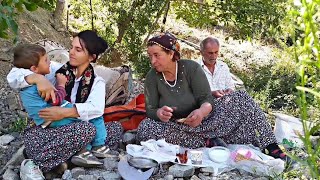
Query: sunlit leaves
{"points": [[9, 9], [305, 18], [252, 19], [133, 19]]}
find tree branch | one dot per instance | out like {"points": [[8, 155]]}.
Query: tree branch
{"points": [[155, 22], [193, 1], [123, 26]]}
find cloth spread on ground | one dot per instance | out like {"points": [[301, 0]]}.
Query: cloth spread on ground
{"points": [[253, 161]]}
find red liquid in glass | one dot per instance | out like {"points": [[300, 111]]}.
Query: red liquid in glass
{"points": [[183, 157]]}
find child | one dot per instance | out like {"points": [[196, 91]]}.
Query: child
{"points": [[34, 58]]}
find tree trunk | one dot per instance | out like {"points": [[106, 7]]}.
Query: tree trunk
{"points": [[58, 15]]}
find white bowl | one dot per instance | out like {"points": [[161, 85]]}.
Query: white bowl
{"points": [[219, 154]]}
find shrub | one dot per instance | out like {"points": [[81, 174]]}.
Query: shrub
{"points": [[271, 85]]}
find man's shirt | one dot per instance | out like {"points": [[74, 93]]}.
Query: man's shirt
{"points": [[221, 78]]}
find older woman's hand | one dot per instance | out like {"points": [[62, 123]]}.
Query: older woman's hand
{"points": [[165, 113], [218, 93], [195, 118]]}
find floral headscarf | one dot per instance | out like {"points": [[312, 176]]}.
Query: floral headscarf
{"points": [[85, 84], [168, 42]]}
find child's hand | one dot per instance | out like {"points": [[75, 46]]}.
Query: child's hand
{"points": [[61, 79]]}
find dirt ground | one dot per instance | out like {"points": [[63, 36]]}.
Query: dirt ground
{"points": [[33, 26]]}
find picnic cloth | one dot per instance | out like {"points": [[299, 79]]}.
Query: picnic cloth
{"points": [[256, 163]]}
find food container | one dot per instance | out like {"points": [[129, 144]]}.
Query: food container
{"points": [[196, 157], [142, 163], [219, 154]]}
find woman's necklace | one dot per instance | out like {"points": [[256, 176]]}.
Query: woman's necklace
{"points": [[175, 81]]}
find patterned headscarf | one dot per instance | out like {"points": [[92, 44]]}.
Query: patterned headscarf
{"points": [[168, 42]]}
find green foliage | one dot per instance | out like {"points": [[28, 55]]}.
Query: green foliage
{"points": [[19, 125], [248, 19], [271, 85], [305, 20], [142, 66], [9, 9], [124, 25]]}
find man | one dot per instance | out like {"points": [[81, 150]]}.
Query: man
{"points": [[217, 72]]}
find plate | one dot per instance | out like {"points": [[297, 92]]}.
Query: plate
{"points": [[190, 164], [142, 163], [219, 154]]}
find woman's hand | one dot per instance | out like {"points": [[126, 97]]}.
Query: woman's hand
{"points": [[227, 91], [165, 113], [53, 113], [56, 113], [195, 118], [218, 93]]}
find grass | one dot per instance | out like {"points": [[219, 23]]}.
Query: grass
{"points": [[19, 125]]}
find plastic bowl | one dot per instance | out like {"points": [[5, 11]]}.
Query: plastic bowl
{"points": [[219, 154]]}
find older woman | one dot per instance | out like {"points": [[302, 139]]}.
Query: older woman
{"points": [[52, 147], [176, 89]]}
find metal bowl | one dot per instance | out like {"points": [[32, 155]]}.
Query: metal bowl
{"points": [[141, 163]]}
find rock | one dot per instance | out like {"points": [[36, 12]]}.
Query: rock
{"points": [[207, 170], [16, 159], [206, 174], [243, 172], [14, 102], [111, 175], [181, 171], [22, 114], [88, 177], [6, 139], [110, 164], [67, 175], [204, 177], [15, 134], [10, 175], [78, 171], [169, 177], [230, 175], [17, 144], [194, 177]]}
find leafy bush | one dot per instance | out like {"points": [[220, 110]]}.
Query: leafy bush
{"points": [[271, 85], [305, 17], [142, 66], [9, 9]]}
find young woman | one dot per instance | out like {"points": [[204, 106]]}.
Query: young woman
{"points": [[50, 147]]}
